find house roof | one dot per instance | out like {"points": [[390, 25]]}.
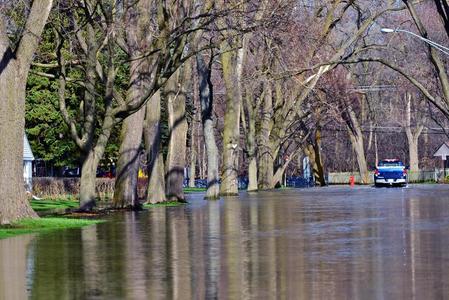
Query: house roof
{"points": [[27, 153]]}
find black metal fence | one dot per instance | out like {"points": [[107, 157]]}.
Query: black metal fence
{"points": [[292, 181]]}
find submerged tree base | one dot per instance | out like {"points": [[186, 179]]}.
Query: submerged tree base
{"points": [[230, 194], [43, 224]]}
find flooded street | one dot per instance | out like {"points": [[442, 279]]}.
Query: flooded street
{"points": [[328, 243]]}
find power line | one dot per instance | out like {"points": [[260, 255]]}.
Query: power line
{"points": [[374, 88], [389, 129]]}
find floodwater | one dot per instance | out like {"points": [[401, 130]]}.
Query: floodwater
{"points": [[329, 243]]}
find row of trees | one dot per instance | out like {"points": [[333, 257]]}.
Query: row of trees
{"points": [[262, 79]]}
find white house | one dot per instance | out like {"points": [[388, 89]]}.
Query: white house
{"points": [[28, 158], [442, 151]]}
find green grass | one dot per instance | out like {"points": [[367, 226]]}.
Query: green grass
{"points": [[50, 204], [43, 225], [188, 190], [161, 204]]}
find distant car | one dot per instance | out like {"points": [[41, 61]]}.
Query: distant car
{"points": [[390, 172], [110, 173], [71, 172]]}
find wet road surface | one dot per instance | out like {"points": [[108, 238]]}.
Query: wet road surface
{"points": [[328, 243]]}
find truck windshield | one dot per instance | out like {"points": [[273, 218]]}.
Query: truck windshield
{"points": [[391, 164]]}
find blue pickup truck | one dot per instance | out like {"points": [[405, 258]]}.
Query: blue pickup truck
{"points": [[390, 172]]}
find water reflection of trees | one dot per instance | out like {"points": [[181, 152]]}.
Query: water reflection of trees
{"points": [[13, 267], [256, 248]]}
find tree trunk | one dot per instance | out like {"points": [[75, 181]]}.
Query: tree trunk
{"points": [[376, 150], [91, 160], [232, 62], [204, 160], [412, 138], [356, 137], [87, 182], [357, 145], [140, 77], [318, 157], [266, 155], [176, 95], [266, 169], [125, 191], [14, 67], [13, 202], [414, 159], [192, 169], [251, 145], [252, 174], [156, 182], [207, 100], [313, 151], [201, 153]]}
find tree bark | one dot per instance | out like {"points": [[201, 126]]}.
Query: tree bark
{"points": [[193, 155], [414, 159], [357, 145], [89, 167], [376, 150], [125, 192], [251, 146], [232, 62], [13, 201], [313, 151], [266, 169], [87, 182], [207, 103], [152, 133], [192, 169], [412, 138], [176, 94], [266, 155], [356, 137], [14, 67]]}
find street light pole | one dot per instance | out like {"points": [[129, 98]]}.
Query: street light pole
{"points": [[443, 49]]}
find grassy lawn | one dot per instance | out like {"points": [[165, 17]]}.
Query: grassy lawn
{"points": [[42, 225], [50, 204], [170, 203], [188, 190]]}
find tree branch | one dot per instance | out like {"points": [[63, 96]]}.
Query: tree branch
{"points": [[435, 100], [33, 28]]}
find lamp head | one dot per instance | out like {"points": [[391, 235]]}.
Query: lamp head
{"points": [[387, 30]]}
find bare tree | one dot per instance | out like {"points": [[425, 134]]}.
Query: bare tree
{"points": [[413, 133], [177, 24], [103, 40], [232, 62], [137, 37], [207, 104]]}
